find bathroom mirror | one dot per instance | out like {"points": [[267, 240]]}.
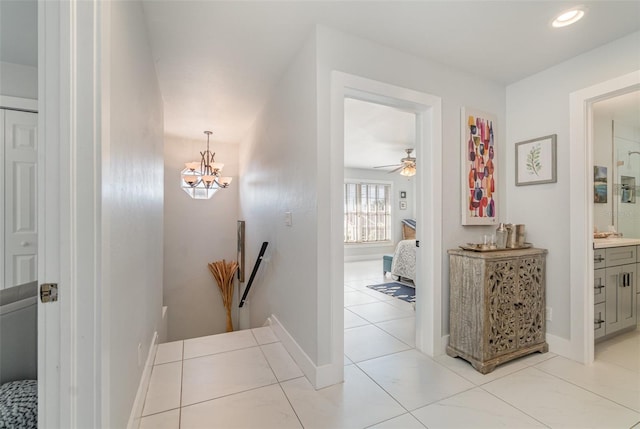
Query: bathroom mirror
{"points": [[617, 151]]}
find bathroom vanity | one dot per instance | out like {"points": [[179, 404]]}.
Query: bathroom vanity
{"points": [[616, 264]]}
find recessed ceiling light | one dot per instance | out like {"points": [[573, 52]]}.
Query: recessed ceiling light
{"points": [[568, 17]]}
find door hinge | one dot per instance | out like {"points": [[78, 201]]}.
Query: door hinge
{"points": [[48, 292]]}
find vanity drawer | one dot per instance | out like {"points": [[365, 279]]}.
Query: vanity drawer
{"points": [[599, 258], [620, 255], [599, 318], [599, 277]]}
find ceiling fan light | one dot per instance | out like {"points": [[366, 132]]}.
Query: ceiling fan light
{"points": [[408, 171]]}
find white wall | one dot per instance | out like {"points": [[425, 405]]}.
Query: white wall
{"points": [[398, 183], [17, 80], [349, 54], [539, 106], [132, 189], [197, 232], [279, 173]]}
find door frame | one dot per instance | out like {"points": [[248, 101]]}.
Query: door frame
{"points": [[70, 34], [428, 109], [581, 207]]}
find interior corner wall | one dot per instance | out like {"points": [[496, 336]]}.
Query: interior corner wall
{"points": [[197, 232], [132, 199], [399, 183], [17, 80], [538, 106], [360, 57], [278, 175]]}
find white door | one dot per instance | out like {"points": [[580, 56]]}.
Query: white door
{"points": [[20, 223]]}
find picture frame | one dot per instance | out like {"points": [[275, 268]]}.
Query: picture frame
{"points": [[536, 161], [403, 194], [600, 187], [479, 167], [403, 205]]}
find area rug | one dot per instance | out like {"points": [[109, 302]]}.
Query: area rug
{"points": [[397, 290]]}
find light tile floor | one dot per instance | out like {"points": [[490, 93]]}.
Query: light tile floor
{"points": [[246, 379]]}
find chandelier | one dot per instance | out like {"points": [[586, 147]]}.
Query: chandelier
{"points": [[202, 179]]}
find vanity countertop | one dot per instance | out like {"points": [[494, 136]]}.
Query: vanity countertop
{"points": [[603, 243]]}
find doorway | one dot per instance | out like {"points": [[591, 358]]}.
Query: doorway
{"points": [[581, 208], [379, 210], [428, 113]]}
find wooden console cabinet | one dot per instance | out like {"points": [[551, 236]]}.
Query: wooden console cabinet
{"points": [[496, 305]]}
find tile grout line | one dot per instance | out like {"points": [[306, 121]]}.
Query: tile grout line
{"points": [[512, 405], [585, 389]]}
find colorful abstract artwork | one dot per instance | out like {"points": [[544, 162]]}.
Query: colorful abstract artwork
{"points": [[479, 168], [599, 184]]}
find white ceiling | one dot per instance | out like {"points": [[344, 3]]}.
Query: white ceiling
{"points": [[376, 135], [217, 61]]}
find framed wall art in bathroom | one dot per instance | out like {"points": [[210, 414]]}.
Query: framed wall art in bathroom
{"points": [[536, 161]]}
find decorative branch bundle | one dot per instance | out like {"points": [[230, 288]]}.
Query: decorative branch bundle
{"points": [[223, 273]]}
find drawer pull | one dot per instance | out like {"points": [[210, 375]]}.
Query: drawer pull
{"points": [[598, 287], [598, 258], [626, 280]]}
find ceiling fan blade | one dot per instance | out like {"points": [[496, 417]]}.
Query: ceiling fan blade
{"points": [[385, 166], [396, 169]]}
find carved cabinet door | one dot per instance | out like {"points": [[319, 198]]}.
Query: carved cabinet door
{"points": [[501, 295], [530, 302]]}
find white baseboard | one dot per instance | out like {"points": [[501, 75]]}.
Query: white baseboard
{"points": [[373, 257], [138, 404], [444, 342], [560, 346], [318, 376]]}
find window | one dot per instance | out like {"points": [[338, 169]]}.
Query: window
{"points": [[367, 212]]}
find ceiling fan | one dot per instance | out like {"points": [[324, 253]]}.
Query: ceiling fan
{"points": [[407, 165]]}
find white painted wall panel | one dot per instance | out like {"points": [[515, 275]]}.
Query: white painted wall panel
{"points": [[278, 174], [132, 209]]}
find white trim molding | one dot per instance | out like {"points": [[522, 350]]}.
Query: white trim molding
{"points": [[318, 376], [428, 110]]}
